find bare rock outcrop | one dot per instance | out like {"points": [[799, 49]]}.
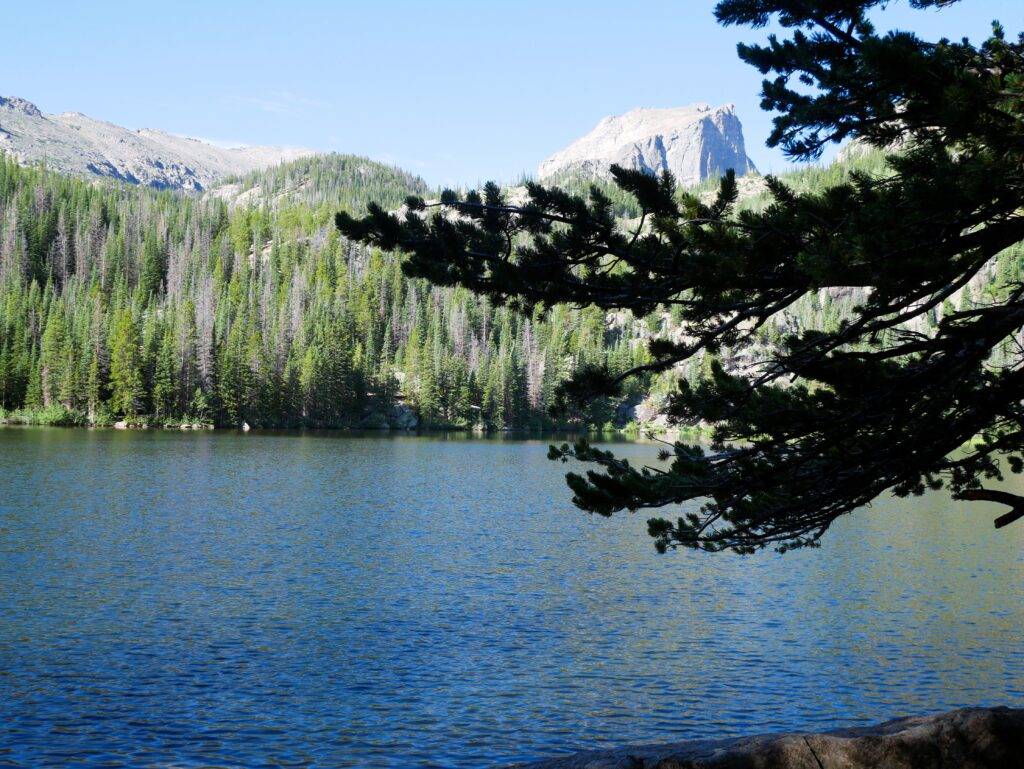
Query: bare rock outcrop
{"points": [[694, 143], [970, 738]]}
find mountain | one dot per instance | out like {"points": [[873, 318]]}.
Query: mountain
{"points": [[332, 179], [694, 143], [74, 143], [244, 305]]}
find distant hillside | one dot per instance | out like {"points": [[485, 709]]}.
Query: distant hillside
{"points": [[347, 181], [73, 143], [121, 302], [695, 143]]}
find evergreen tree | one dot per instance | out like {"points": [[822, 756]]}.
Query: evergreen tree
{"points": [[165, 402], [154, 266], [842, 411], [126, 385]]}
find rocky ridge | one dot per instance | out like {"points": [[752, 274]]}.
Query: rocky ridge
{"points": [[74, 143], [695, 143]]}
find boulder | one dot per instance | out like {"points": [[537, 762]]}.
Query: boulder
{"points": [[375, 420], [650, 412], [626, 411], [969, 738], [402, 417]]}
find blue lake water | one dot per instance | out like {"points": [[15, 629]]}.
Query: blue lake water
{"points": [[220, 600]]}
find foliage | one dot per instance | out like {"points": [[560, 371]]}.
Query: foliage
{"points": [[330, 180], [876, 397], [120, 302], [54, 415]]}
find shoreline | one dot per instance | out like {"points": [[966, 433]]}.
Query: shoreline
{"points": [[552, 435], [630, 431], [966, 738]]}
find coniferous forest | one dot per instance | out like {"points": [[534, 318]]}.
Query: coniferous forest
{"points": [[246, 307], [153, 307]]}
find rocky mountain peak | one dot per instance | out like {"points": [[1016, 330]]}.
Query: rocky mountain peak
{"points": [[17, 104], [694, 142], [74, 143]]}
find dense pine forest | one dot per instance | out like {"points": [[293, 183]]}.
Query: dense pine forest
{"points": [[246, 307]]}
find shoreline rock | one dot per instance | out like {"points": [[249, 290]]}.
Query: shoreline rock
{"points": [[73, 143], [968, 738]]}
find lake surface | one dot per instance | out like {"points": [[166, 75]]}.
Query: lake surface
{"points": [[261, 600]]}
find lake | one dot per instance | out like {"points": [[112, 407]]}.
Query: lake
{"points": [[265, 600]]}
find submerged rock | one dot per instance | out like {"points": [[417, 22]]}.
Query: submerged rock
{"points": [[969, 738]]}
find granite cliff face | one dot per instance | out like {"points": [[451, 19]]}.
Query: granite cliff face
{"points": [[74, 143], [694, 143]]}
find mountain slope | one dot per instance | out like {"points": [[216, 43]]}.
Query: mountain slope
{"points": [[345, 181], [123, 301], [693, 142], [74, 143]]}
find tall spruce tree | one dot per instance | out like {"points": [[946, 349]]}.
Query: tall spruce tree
{"points": [[878, 401], [126, 384]]}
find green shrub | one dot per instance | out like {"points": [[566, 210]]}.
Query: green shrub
{"points": [[50, 416]]}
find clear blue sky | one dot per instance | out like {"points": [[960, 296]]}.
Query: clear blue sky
{"points": [[456, 91]]}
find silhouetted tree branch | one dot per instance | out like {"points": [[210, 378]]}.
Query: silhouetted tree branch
{"points": [[832, 418]]}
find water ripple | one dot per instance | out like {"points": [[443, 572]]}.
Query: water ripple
{"points": [[186, 601]]}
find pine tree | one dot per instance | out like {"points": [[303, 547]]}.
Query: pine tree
{"points": [[835, 416], [126, 385], [165, 372], [154, 265]]}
